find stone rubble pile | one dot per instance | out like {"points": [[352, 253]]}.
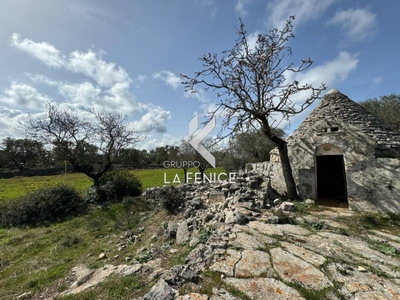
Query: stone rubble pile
{"points": [[243, 232]]}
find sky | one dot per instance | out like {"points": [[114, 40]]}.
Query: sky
{"points": [[126, 56]]}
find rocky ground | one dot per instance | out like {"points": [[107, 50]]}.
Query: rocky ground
{"points": [[244, 245]]}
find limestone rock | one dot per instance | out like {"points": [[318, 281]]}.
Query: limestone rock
{"points": [[253, 263], [182, 233], [161, 291], [264, 288], [296, 270]]}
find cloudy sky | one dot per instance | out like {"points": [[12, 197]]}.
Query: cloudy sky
{"points": [[125, 56]]}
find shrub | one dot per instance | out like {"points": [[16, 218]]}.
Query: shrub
{"points": [[42, 207], [116, 185]]}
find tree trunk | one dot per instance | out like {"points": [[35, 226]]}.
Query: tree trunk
{"points": [[287, 171], [285, 162]]}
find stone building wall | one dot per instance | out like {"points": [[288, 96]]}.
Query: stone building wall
{"points": [[373, 182]]}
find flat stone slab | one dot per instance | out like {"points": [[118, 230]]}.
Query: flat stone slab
{"points": [[362, 285], [309, 256], [221, 294], [268, 229], [253, 263], [296, 270], [192, 296], [362, 249], [264, 288], [245, 241], [227, 264], [293, 229], [386, 235]]}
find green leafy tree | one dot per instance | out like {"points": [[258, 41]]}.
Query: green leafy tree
{"points": [[386, 108], [254, 87], [23, 153]]}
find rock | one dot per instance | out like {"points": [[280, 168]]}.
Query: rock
{"points": [[277, 202], [309, 202], [194, 241], [171, 229], [102, 255], [26, 295], [192, 296], [196, 202], [182, 233], [361, 269], [227, 264], [296, 270], [161, 291], [221, 294], [271, 219], [309, 256], [253, 263], [243, 240], [287, 206], [258, 288]]}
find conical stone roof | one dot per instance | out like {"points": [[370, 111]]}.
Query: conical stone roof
{"points": [[336, 105]]}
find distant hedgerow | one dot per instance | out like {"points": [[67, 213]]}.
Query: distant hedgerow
{"points": [[42, 207]]}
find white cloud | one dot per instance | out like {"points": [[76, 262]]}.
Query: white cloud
{"points": [[91, 65], [166, 139], [240, 7], [83, 93], [331, 72], [24, 96], [43, 51], [87, 63], [357, 24], [169, 78], [111, 91], [140, 80], [9, 123], [154, 119], [200, 95], [209, 4], [119, 98], [304, 10], [378, 80]]}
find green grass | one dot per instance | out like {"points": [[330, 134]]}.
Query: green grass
{"points": [[36, 258], [11, 188]]}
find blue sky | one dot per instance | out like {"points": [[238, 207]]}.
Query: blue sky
{"points": [[125, 56]]}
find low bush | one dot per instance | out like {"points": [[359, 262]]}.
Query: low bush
{"points": [[114, 186], [42, 207]]}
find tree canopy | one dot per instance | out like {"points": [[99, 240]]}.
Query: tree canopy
{"points": [[91, 147], [255, 87], [386, 108]]}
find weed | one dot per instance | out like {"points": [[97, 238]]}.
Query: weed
{"points": [[384, 248], [205, 234], [316, 224], [143, 258], [70, 241]]}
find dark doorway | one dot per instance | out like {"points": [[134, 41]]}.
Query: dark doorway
{"points": [[331, 181]]}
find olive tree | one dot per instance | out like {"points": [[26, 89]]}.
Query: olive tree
{"points": [[91, 147], [253, 86]]}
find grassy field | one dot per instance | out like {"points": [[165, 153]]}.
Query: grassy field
{"points": [[11, 188], [37, 260]]}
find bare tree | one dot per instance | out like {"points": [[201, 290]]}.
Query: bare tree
{"points": [[254, 89], [90, 147]]}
